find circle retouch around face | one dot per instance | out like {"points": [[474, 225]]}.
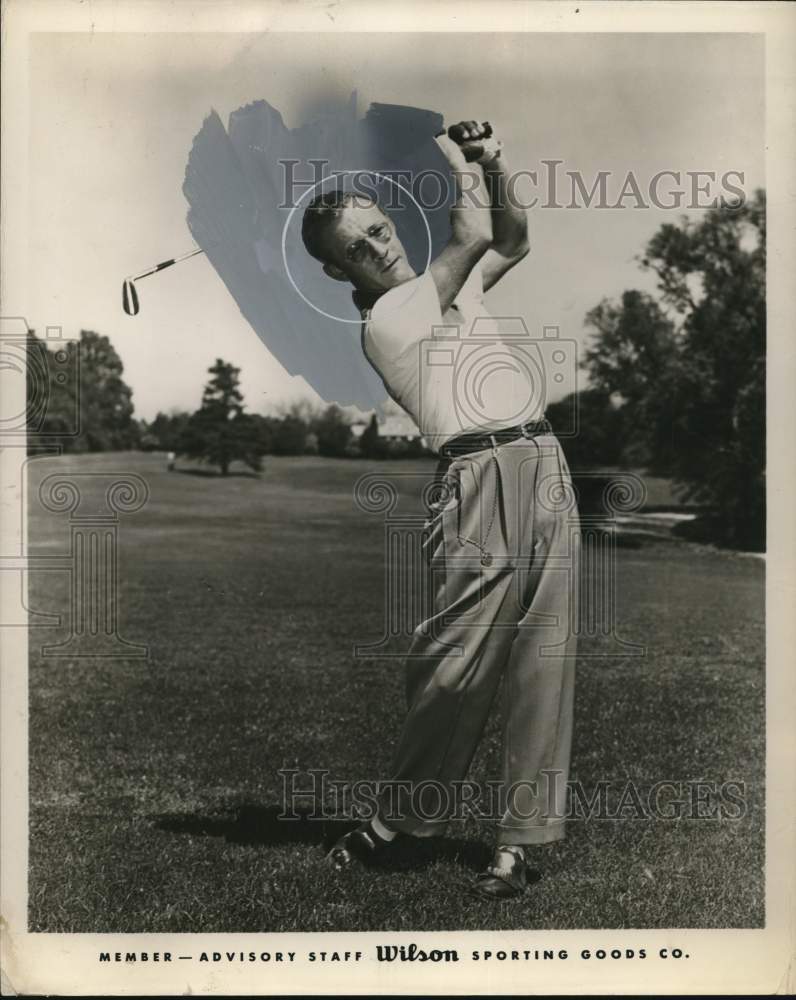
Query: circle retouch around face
{"points": [[309, 193], [365, 246]]}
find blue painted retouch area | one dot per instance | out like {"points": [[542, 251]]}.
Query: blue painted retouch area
{"points": [[235, 184]]}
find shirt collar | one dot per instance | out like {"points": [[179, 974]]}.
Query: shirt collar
{"points": [[364, 300]]}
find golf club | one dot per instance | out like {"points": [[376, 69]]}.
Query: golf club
{"points": [[130, 302], [475, 150]]}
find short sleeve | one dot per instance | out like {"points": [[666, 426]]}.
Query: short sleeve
{"points": [[403, 316]]}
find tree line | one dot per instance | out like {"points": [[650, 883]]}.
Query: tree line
{"points": [[78, 400], [677, 380], [220, 432], [676, 385], [300, 429]]}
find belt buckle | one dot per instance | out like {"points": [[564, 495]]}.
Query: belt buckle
{"points": [[539, 427]]}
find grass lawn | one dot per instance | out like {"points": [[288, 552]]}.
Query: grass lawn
{"points": [[154, 790]]}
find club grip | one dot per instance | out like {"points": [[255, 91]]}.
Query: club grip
{"points": [[453, 131], [475, 150]]}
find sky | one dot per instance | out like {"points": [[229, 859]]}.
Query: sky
{"points": [[113, 116]]}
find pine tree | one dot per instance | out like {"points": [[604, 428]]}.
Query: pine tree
{"points": [[219, 432]]}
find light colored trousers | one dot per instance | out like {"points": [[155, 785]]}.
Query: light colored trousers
{"points": [[502, 544]]}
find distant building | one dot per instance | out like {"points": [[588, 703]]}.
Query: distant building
{"points": [[398, 427], [393, 426]]}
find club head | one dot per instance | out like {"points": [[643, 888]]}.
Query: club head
{"points": [[130, 298]]}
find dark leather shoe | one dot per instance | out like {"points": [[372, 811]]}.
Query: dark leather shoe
{"points": [[502, 881], [362, 846]]}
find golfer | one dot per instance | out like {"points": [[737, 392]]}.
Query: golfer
{"points": [[501, 538]]}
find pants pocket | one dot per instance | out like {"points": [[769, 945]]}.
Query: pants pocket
{"points": [[442, 502]]}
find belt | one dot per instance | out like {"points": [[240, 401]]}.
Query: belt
{"points": [[481, 440]]}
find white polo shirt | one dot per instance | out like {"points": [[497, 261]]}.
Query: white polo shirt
{"points": [[452, 373]]}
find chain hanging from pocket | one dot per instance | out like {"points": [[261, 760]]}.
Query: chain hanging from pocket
{"points": [[486, 555]]}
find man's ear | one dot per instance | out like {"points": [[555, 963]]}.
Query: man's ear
{"points": [[335, 272]]}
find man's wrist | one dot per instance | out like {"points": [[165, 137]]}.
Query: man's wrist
{"points": [[497, 165]]}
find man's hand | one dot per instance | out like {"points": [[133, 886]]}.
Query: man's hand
{"points": [[476, 141]]}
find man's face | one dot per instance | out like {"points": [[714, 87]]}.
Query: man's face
{"points": [[364, 249]]}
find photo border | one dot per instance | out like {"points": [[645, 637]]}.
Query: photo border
{"points": [[721, 961]]}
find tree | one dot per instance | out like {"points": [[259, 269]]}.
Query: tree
{"points": [[52, 406], [88, 390], [292, 428], [333, 432], [691, 368], [264, 429], [167, 429], [290, 436], [371, 444], [106, 401], [634, 348], [219, 432], [604, 431], [713, 274]]}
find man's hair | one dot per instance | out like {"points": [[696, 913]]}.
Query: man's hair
{"points": [[322, 213]]}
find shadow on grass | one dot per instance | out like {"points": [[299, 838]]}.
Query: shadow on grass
{"points": [[215, 474], [708, 529], [254, 825], [631, 540], [673, 508], [248, 825]]}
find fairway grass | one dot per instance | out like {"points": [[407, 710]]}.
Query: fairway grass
{"points": [[154, 783]]}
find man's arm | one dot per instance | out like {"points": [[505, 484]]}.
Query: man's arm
{"points": [[509, 225], [509, 222], [471, 224]]}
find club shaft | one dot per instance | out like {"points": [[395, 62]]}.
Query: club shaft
{"points": [[166, 263]]}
